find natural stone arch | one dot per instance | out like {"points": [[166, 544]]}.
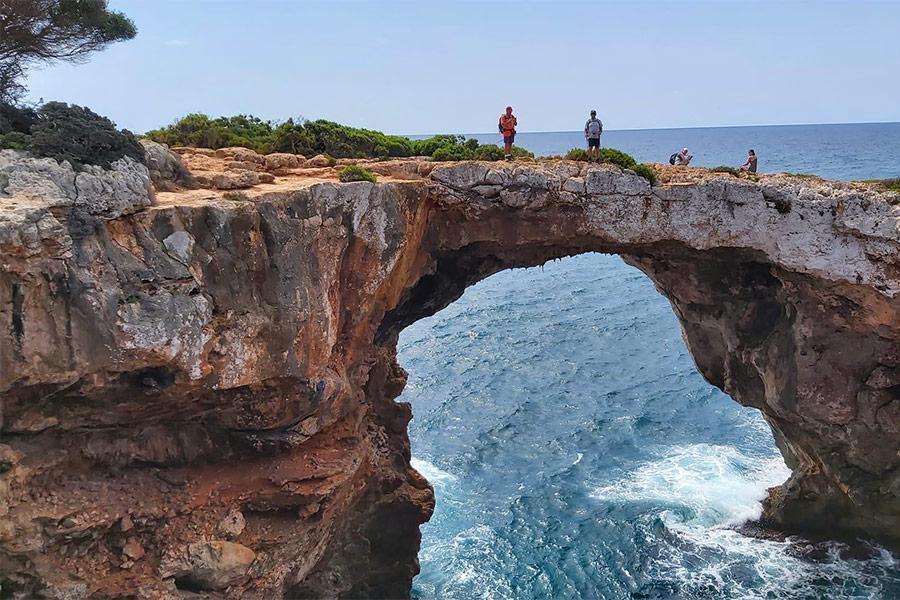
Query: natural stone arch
{"points": [[755, 329], [176, 363]]}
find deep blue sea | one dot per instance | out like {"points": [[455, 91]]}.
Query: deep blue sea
{"points": [[575, 450]]}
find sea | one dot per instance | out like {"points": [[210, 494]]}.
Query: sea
{"points": [[574, 449]]}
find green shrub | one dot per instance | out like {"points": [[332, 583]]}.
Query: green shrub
{"points": [[356, 173], [200, 131], [577, 154], [617, 157], [452, 153], [16, 118], [724, 169], [518, 152], [488, 152], [316, 137], [606, 155], [80, 136], [645, 171], [15, 140]]}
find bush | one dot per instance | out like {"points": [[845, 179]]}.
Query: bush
{"points": [[15, 140], [518, 152], [488, 152], [577, 154], [724, 169], [201, 131], [16, 119], [80, 136], [356, 173], [617, 157], [317, 137], [607, 155], [453, 153], [645, 171]]}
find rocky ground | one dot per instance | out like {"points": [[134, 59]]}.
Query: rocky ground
{"points": [[198, 366]]}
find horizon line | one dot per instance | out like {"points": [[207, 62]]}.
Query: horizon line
{"points": [[669, 128]]}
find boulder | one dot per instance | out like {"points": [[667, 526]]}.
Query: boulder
{"points": [[232, 525], [212, 565], [235, 180], [241, 165], [320, 160], [283, 160], [167, 170], [242, 154]]}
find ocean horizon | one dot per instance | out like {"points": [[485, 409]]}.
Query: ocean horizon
{"points": [[852, 151]]}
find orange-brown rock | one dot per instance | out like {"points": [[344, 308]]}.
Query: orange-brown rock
{"points": [[224, 365]]}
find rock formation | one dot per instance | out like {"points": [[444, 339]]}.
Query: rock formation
{"points": [[198, 388]]}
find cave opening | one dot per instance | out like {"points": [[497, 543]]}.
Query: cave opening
{"points": [[576, 451]]}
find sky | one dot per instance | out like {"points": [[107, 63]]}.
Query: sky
{"points": [[452, 66]]}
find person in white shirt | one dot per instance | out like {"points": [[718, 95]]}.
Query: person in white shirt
{"points": [[593, 129]]}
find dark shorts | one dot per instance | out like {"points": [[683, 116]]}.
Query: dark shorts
{"points": [[593, 142], [509, 139]]}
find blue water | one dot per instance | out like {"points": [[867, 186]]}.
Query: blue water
{"points": [[576, 452], [852, 152]]}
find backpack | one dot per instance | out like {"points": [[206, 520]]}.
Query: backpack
{"points": [[673, 158], [591, 125]]}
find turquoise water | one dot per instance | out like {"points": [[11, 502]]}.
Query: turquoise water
{"points": [[576, 452]]}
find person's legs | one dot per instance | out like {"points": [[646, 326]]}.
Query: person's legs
{"points": [[593, 148], [507, 145]]}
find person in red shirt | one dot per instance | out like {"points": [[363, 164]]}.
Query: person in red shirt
{"points": [[507, 126]]}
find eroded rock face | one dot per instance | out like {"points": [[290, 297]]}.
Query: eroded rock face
{"points": [[188, 372]]}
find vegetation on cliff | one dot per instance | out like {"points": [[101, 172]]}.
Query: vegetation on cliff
{"points": [[615, 157], [888, 185], [66, 132], [356, 173], [317, 137]]}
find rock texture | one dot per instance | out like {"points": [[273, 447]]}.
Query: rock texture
{"points": [[198, 396]]}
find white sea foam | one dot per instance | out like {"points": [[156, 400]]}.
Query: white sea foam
{"points": [[435, 475], [698, 492], [712, 485]]}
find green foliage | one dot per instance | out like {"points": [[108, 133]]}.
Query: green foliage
{"points": [[356, 173], [39, 31], [80, 136], [488, 152], [518, 152], [458, 152], [319, 137], [617, 157], [201, 131], [725, 169], [577, 154], [15, 140], [16, 118], [645, 171], [606, 155]]}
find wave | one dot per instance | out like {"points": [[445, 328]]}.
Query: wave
{"points": [[697, 493], [702, 483]]}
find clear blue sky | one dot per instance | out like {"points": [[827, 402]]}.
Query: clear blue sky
{"points": [[449, 66]]}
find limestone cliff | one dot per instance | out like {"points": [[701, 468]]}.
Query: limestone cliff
{"points": [[198, 388]]}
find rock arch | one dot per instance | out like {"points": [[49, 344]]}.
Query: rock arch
{"points": [[163, 368]]}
